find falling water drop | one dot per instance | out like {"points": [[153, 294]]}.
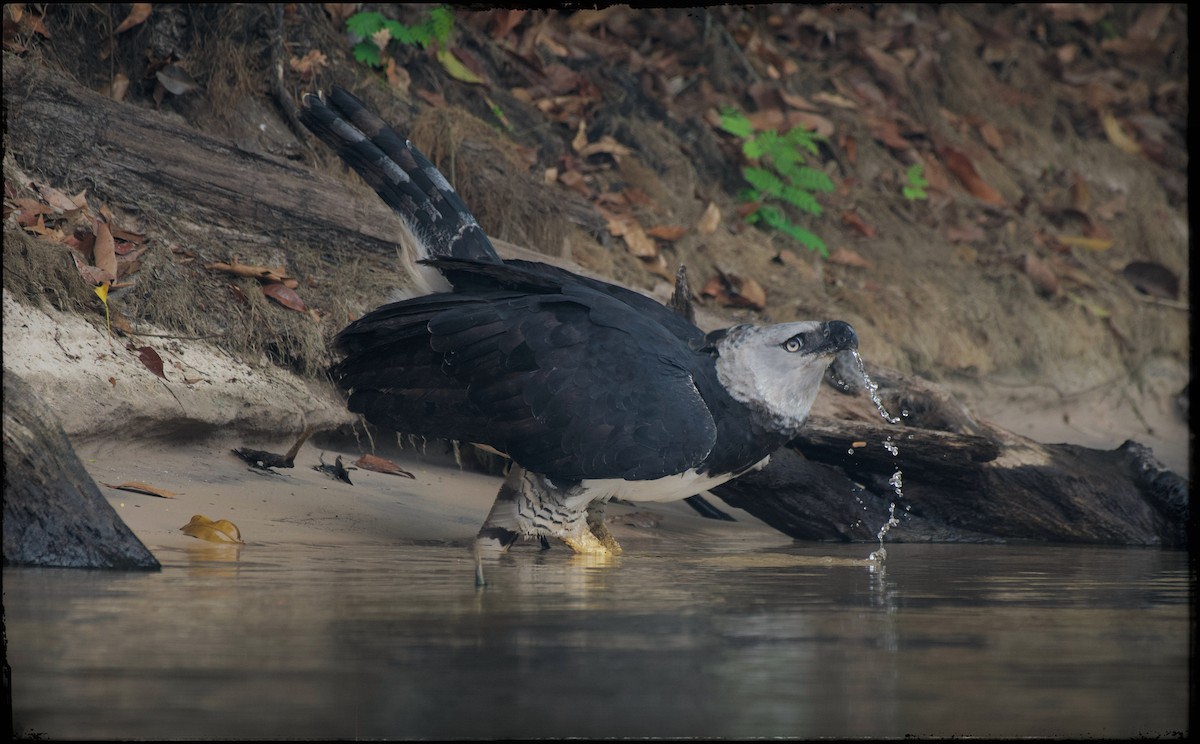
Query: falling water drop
{"points": [[896, 481]]}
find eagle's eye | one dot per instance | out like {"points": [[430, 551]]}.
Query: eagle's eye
{"points": [[793, 344]]}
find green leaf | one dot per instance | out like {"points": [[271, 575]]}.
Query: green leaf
{"points": [[734, 122], [363, 25], [441, 23], [916, 175], [811, 179], [407, 35], [367, 53], [802, 200], [764, 181]]}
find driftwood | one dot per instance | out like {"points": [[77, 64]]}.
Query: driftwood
{"points": [[963, 479], [54, 515]]}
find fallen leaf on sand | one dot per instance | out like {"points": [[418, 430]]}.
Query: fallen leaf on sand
{"points": [[964, 170], [146, 488], [382, 465], [220, 531], [152, 361], [843, 256]]}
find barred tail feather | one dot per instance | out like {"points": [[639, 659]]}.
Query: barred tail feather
{"points": [[401, 175]]}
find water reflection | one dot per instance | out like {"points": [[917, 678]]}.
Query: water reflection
{"points": [[679, 639]]}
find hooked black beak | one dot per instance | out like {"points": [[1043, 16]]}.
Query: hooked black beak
{"points": [[839, 336]]}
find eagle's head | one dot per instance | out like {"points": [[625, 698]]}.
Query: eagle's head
{"points": [[777, 369]]}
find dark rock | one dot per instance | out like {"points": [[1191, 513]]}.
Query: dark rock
{"points": [[54, 515]]}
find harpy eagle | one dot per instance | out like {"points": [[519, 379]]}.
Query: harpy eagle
{"points": [[592, 390]]}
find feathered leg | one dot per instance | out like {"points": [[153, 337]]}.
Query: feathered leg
{"points": [[527, 506]]}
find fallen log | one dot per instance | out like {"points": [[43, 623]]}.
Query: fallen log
{"points": [[990, 486]]}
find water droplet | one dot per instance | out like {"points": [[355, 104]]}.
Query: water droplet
{"points": [[873, 390]]}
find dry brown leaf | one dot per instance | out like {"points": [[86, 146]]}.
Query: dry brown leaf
{"points": [[284, 295], [138, 13], [851, 218], [55, 198], [506, 19], [887, 131], [810, 121], [90, 274], [574, 180], [151, 360], [767, 119], [835, 100], [658, 265], [710, 220], [104, 252], [629, 229], [843, 256], [798, 102], [731, 290], [310, 64], [339, 12], [964, 170], [581, 139], [220, 531], [139, 487], [991, 136], [667, 232], [382, 465], [605, 144]]}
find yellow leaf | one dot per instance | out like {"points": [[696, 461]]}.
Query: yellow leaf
{"points": [[1078, 241], [457, 69], [1117, 135], [102, 293], [221, 531]]}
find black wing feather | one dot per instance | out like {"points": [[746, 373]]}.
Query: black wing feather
{"points": [[574, 385]]}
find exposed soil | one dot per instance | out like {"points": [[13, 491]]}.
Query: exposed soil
{"points": [[1043, 278]]}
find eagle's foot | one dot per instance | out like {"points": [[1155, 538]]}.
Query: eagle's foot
{"points": [[599, 528], [584, 542]]}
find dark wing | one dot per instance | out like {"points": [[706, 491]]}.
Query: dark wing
{"points": [[402, 176], [572, 385]]}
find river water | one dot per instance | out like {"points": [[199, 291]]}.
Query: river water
{"points": [[709, 638]]}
